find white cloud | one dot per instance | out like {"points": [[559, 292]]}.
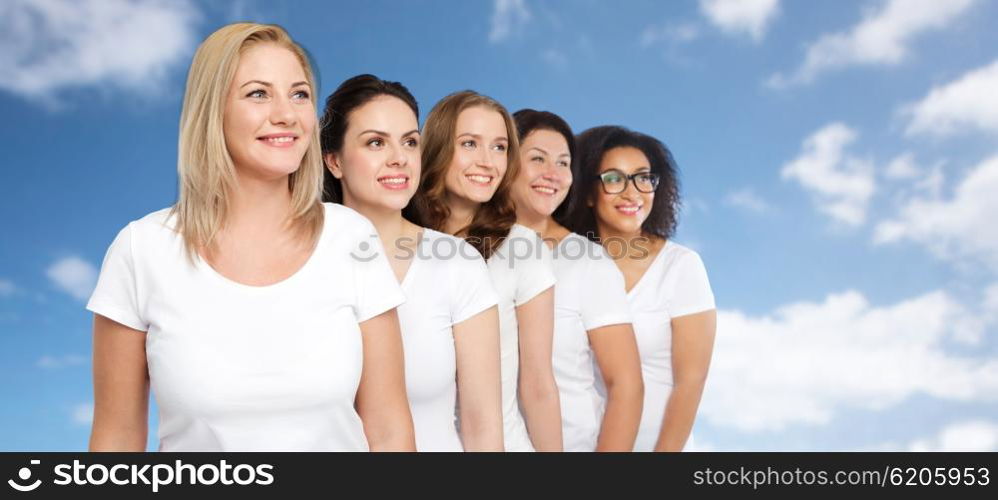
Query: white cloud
{"points": [[74, 276], [747, 199], [840, 184], [970, 102], [972, 435], [122, 44], [83, 414], [902, 167], [7, 288], [673, 33], [807, 362], [881, 38], [555, 58], [960, 228], [507, 17], [55, 362], [746, 17]]}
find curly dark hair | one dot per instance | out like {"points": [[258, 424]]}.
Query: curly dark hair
{"points": [[529, 120], [592, 146], [350, 95]]}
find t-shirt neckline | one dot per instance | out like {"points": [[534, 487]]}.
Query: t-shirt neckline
{"points": [[303, 269], [658, 257], [423, 233]]}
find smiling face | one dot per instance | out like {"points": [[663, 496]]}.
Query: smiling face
{"points": [[379, 162], [269, 114], [624, 212], [545, 173], [480, 155]]}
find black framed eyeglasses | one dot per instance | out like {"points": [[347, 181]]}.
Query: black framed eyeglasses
{"points": [[615, 182]]}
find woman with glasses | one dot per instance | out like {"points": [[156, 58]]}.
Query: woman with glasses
{"points": [[592, 324], [626, 197]]}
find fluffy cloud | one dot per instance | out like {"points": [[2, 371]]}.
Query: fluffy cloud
{"points": [[973, 435], [74, 276], [807, 361], [507, 17], [747, 199], [671, 33], [83, 414], [127, 44], [881, 38], [959, 228], [55, 362], [968, 103], [840, 184], [745, 17], [7, 288]]}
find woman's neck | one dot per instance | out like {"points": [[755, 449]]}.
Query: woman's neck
{"points": [[389, 223], [620, 244], [259, 205], [544, 225], [462, 212], [540, 223]]}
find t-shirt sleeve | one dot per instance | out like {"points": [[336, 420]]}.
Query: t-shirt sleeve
{"points": [[692, 293], [377, 288], [116, 294], [471, 286], [604, 301], [534, 266]]}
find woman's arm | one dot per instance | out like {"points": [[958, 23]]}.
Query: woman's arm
{"points": [[537, 388], [476, 342], [381, 398], [692, 345], [616, 353], [121, 388]]}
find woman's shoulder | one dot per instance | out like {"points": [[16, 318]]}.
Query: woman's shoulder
{"points": [[161, 223], [678, 252], [344, 220], [460, 254], [681, 260]]}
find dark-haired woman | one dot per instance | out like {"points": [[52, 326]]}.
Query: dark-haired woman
{"points": [[627, 197], [449, 322], [470, 157], [592, 327]]}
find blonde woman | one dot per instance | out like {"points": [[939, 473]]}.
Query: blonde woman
{"points": [[261, 318], [470, 157], [450, 327]]}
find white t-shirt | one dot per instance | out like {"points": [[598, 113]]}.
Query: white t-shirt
{"points": [[251, 368], [675, 284], [521, 269], [446, 283], [590, 294]]}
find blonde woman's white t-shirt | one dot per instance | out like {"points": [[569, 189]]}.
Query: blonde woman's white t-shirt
{"points": [[590, 294], [521, 270], [251, 368], [447, 282], [674, 285]]}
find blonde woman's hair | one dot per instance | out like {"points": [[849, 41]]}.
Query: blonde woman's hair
{"points": [[494, 218], [207, 174]]}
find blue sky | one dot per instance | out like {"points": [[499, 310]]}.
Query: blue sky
{"points": [[838, 167]]}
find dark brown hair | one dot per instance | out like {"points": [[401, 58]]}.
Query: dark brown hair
{"points": [[350, 95]]}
